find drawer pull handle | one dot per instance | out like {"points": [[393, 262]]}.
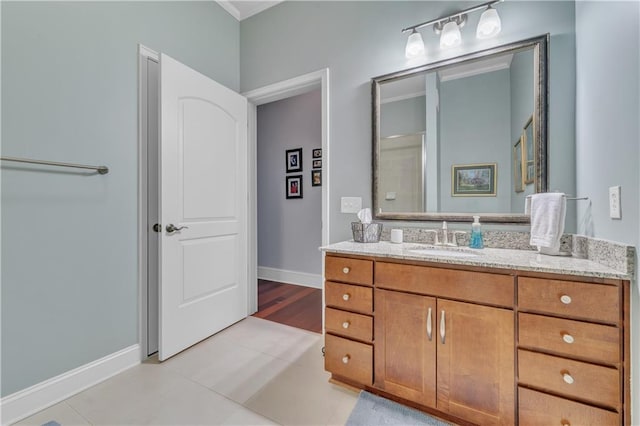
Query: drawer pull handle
{"points": [[346, 270], [429, 331], [567, 338], [442, 327], [564, 422], [346, 297], [345, 359], [568, 379], [566, 299], [346, 324]]}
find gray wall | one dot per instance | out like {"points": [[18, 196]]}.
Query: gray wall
{"points": [[69, 93], [359, 40], [608, 134], [403, 117], [474, 109], [289, 231], [521, 110]]}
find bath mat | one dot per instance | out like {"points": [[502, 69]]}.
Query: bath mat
{"points": [[372, 410]]}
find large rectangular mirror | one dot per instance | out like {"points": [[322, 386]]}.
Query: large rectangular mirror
{"points": [[463, 136]]}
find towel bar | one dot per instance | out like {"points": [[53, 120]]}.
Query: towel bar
{"points": [[100, 169]]}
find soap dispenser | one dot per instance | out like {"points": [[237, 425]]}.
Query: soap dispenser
{"points": [[476, 234]]}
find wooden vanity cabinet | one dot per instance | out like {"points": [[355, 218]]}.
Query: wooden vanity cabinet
{"points": [[454, 356], [349, 319], [485, 346], [571, 352]]}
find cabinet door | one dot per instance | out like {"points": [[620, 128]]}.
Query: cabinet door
{"points": [[405, 350], [476, 362]]}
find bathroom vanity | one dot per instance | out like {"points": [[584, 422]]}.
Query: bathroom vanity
{"points": [[493, 336]]}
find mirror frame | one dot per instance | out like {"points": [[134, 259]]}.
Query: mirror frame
{"points": [[541, 91]]}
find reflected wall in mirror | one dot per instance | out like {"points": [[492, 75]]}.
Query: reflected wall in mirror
{"points": [[466, 110]]}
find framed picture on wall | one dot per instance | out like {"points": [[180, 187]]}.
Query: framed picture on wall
{"points": [[316, 177], [473, 180], [529, 151], [293, 186], [317, 153], [317, 164], [518, 182], [294, 160]]}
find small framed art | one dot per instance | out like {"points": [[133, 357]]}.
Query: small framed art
{"points": [[316, 177], [317, 153], [528, 150], [294, 160], [294, 186], [473, 180], [517, 166], [317, 164]]}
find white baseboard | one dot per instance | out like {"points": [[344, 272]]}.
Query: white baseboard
{"points": [[26, 402], [290, 277]]}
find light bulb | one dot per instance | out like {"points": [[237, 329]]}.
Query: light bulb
{"points": [[489, 24], [450, 36], [415, 45]]}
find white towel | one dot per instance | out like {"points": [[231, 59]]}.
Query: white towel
{"points": [[548, 211]]}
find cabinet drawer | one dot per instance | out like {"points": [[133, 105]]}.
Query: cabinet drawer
{"points": [[350, 297], [536, 408], [355, 271], [595, 302], [349, 359], [576, 379], [349, 324], [599, 343], [477, 287]]}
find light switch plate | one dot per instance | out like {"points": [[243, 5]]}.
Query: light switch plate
{"points": [[350, 204], [615, 212]]}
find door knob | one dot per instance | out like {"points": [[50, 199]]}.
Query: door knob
{"points": [[157, 227], [172, 228]]}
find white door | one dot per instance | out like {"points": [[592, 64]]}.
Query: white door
{"points": [[203, 191]]}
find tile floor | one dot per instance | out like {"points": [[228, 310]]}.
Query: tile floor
{"points": [[256, 372]]}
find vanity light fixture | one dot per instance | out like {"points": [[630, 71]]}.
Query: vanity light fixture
{"points": [[415, 45], [449, 28], [489, 24], [450, 36]]}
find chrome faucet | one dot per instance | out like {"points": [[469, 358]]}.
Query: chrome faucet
{"points": [[435, 236], [445, 234]]}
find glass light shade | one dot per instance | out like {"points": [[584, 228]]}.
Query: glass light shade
{"points": [[450, 36], [489, 24], [415, 45]]}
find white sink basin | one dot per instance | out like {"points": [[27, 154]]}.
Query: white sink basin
{"points": [[443, 252]]}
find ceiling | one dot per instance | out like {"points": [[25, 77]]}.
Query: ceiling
{"points": [[242, 9]]}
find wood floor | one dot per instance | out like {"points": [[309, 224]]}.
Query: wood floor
{"points": [[289, 304]]}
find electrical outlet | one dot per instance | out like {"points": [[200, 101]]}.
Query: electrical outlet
{"points": [[350, 204], [615, 212]]}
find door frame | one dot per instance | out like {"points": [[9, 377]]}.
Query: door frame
{"points": [[271, 93], [143, 53]]}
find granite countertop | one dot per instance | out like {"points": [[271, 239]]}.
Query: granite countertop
{"points": [[523, 260]]}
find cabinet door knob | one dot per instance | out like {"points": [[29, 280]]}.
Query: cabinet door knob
{"points": [[345, 359], [346, 324], [568, 379], [346, 270], [566, 299], [567, 338], [429, 325], [346, 297], [442, 327], [564, 422]]}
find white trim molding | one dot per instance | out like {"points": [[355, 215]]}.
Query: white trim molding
{"points": [[290, 277], [286, 89], [271, 93], [28, 401]]}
